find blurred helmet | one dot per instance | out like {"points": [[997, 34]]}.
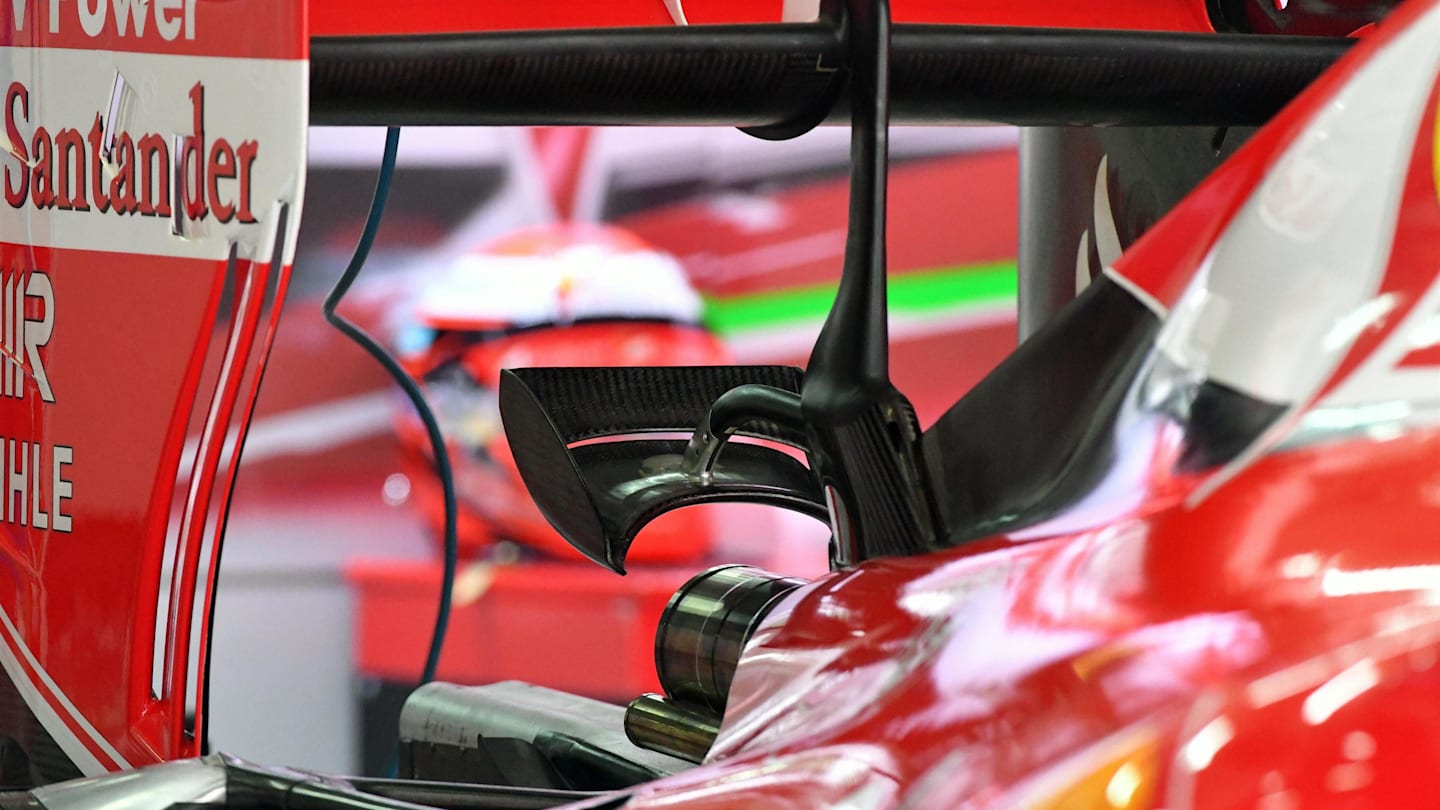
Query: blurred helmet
{"points": [[557, 295]]}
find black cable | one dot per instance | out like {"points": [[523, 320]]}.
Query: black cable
{"points": [[411, 388]]}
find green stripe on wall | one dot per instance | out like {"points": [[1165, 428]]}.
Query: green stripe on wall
{"points": [[919, 293]]}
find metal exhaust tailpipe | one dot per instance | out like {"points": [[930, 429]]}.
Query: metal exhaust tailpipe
{"points": [[697, 648]]}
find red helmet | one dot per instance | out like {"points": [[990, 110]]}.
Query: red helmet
{"points": [[557, 295]]}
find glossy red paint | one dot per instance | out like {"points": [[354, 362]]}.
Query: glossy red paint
{"points": [[148, 352], [1163, 262], [1273, 186], [122, 477], [199, 29], [986, 676], [1266, 636]]}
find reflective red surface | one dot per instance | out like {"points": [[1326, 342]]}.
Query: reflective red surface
{"points": [[1248, 642], [1263, 633], [149, 307]]}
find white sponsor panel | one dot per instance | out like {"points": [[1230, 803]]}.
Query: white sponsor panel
{"points": [[103, 151]]}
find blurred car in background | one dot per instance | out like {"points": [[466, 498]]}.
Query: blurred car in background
{"points": [[569, 294]]}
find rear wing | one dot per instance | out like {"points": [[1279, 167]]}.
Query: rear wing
{"points": [[780, 79]]}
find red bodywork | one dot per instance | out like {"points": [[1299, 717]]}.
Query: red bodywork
{"points": [[1029, 674], [152, 354], [1268, 637]]}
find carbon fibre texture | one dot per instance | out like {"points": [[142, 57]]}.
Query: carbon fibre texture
{"points": [[584, 403], [879, 459], [548, 470], [598, 496], [1040, 77], [721, 74]]}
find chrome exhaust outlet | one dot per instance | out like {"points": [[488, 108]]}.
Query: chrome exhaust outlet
{"points": [[698, 644]]}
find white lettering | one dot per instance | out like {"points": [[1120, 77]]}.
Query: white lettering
{"points": [[135, 9], [22, 339], [92, 20], [18, 310], [12, 338], [22, 463], [18, 479], [60, 488], [167, 24], [8, 355], [38, 518], [38, 333], [173, 18]]}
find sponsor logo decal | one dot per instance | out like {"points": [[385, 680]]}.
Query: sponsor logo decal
{"points": [[123, 172], [35, 484]]}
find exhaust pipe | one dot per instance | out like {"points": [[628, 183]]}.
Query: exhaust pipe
{"points": [[697, 648]]}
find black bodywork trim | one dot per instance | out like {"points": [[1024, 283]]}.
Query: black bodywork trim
{"points": [[1036, 434]]}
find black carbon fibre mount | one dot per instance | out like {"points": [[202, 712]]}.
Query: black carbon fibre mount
{"points": [[860, 433], [731, 413], [825, 76], [599, 495], [883, 505], [864, 438], [774, 75]]}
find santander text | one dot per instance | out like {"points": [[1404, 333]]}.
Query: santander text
{"points": [[126, 173]]}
